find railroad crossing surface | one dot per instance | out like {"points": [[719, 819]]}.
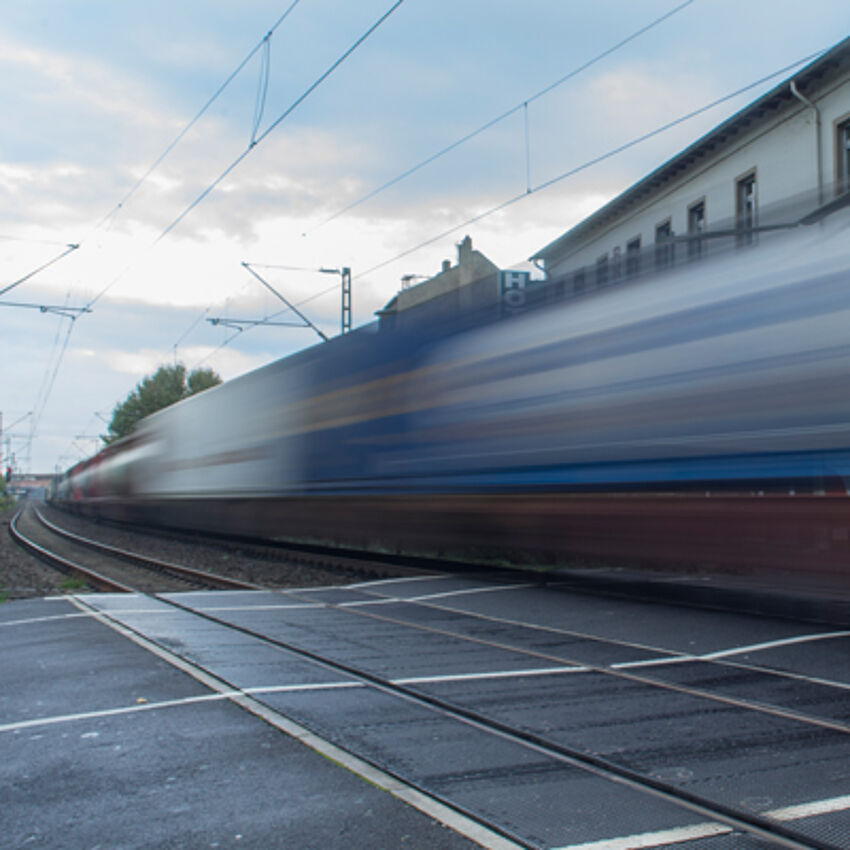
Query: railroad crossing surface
{"points": [[427, 712]]}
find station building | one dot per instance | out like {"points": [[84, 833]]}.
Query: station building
{"points": [[779, 163]]}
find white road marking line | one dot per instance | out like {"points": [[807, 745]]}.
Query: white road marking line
{"points": [[110, 712], [498, 674], [388, 600], [770, 644], [654, 662], [399, 580], [653, 839], [107, 596], [419, 800], [128, 612], [465, 592], [741, 650], [172, 703], [222, 592], [292, 689], [211, 609], [26, 622], [357, 585], [360, 603], [807, 810], [707, 830]]}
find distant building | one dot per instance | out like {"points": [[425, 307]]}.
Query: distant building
{"points": [[763, 170], [470, 287]]}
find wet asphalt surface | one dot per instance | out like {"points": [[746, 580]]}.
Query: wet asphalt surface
{"points": [[104, 744]]}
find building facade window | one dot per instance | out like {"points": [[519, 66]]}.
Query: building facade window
{"points": [[579, 284], [745, 208], [602, 270], [843, 162], [663, 244], [616, 264], [696, 227], [633, 257]]}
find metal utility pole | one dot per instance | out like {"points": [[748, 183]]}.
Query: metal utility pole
{"points": [[345, 274], [345, 279]]}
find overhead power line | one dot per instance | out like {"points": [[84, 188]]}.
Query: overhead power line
{"points": [[42, 267], [256, 141], [285, 114], [523, 105], [591, 162], [263, 44]]}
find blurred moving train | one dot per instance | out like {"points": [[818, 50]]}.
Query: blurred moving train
{"points": [[702, 417]]}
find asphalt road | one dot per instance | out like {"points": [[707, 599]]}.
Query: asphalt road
{"points": [[531, 709]]}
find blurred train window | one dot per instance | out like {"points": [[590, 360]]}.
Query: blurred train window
{"points": [[602, 270], [843, 156], [696, 226], [745, 207], [663, 244], [633, 257]]}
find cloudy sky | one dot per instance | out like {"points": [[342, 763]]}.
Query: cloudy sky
{"points": [[93, 93]]}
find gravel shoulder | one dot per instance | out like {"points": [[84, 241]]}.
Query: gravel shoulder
{"points": [[23, 576]]}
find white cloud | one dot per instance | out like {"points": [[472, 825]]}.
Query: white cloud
{"points": [[64, 80]]}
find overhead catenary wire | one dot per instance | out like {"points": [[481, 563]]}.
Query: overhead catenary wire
{"points": [[68, 249], [283, 116], [262, 88], [523, 105], [263, 44], [253, 144], [591, 162], [46, 388]]}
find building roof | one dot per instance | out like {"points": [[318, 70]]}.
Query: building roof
{"points": [[821, 71]]}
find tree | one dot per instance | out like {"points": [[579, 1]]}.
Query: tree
{"points": [[166, 386]]}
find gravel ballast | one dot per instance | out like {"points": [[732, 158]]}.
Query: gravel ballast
{"points": [[23, 576], [261, 565]]}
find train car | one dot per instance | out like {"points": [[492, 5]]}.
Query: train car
{"points": [[701, 417]]}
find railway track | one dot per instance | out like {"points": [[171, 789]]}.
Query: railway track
{"points": [[284, 563], [780, 704], [421, 621], [110, 568], [274, 563]]}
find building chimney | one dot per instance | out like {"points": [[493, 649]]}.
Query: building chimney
{"points": [[447, 264]]}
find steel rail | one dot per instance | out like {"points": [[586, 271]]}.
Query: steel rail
{"points": [[744, 821], [95, 579], [634, 678], [179, 571], [751, 823], [787, 714]]}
